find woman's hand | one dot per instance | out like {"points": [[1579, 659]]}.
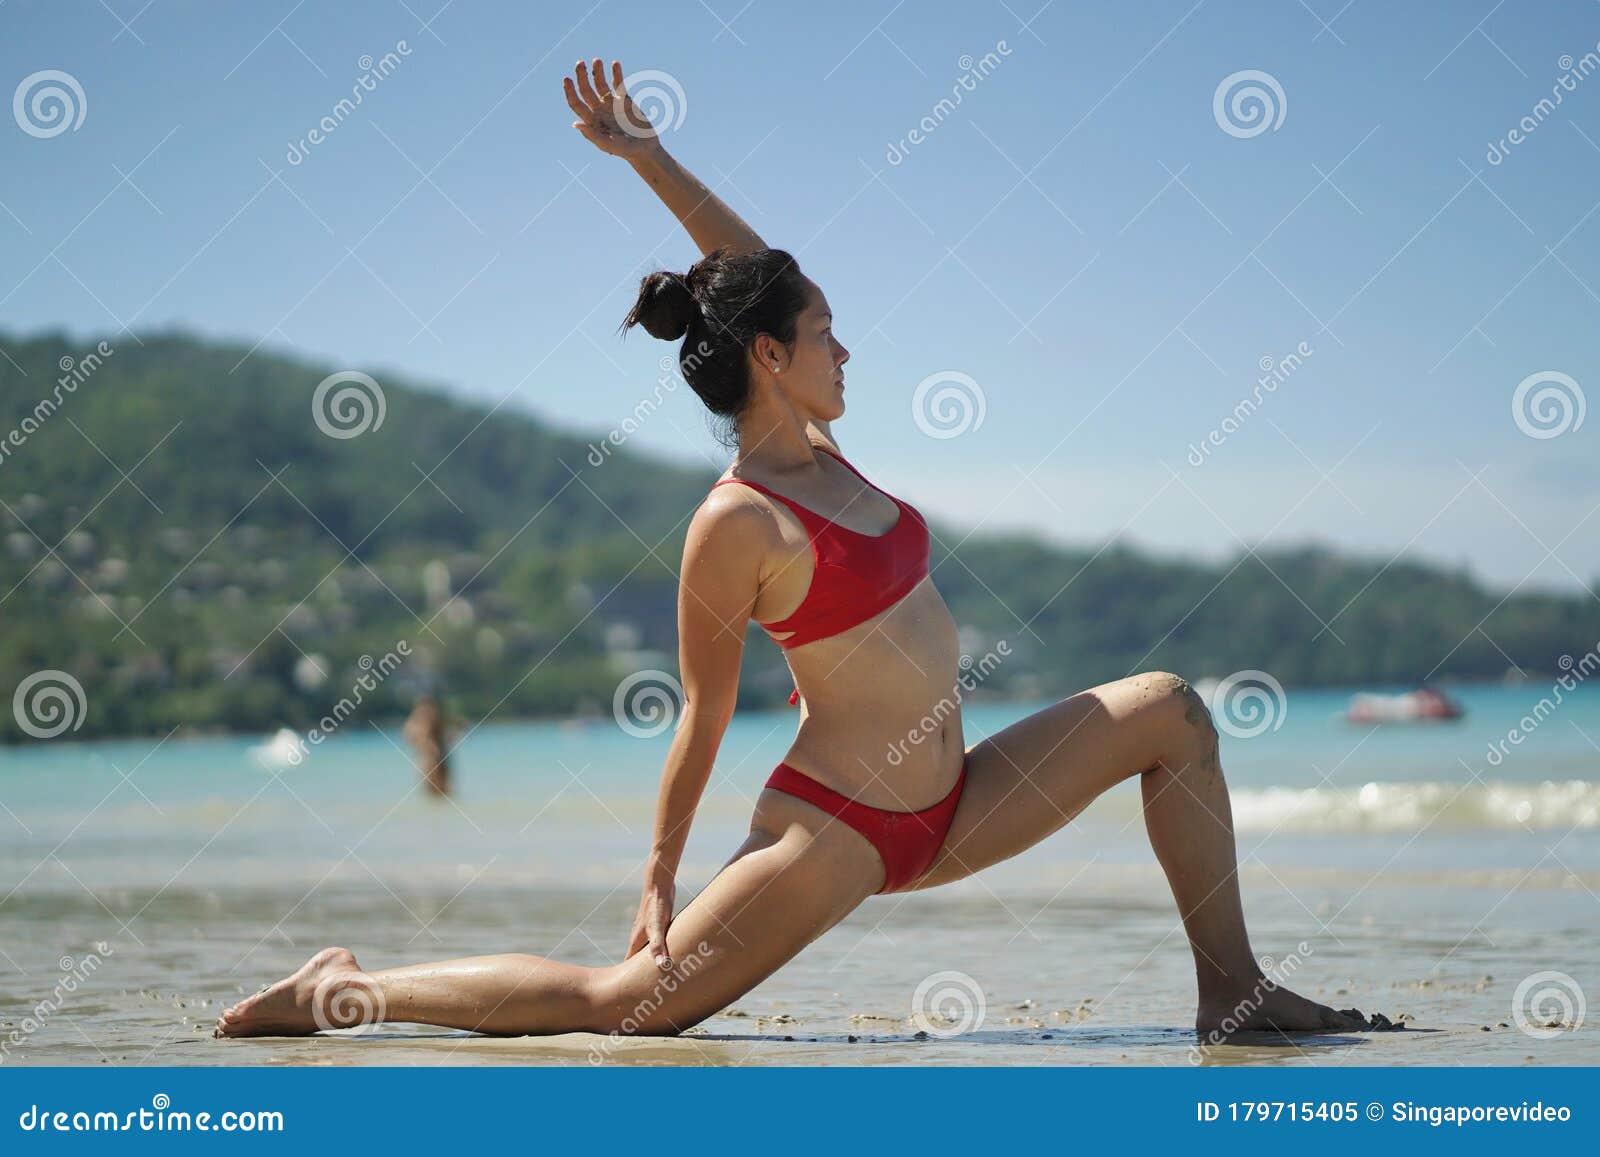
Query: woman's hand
{"points": [[655, 913], [607, 116]]}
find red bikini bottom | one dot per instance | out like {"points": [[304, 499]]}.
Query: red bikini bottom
{"points": [[907, 842]]}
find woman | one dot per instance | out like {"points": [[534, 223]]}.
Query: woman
{"points": [[836, 570]]}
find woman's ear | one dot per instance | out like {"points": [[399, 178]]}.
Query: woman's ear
{"points": [[769, 353]]}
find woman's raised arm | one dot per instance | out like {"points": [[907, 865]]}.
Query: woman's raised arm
{"points": [[609, 120]]}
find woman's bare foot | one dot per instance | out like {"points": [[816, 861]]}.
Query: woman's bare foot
{"points": [[328, 991], [1267, 1007]]}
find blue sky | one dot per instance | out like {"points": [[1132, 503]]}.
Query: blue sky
{"points": [[1081, 237]]}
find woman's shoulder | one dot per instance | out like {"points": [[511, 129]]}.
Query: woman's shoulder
{"points": [[739, 513]]}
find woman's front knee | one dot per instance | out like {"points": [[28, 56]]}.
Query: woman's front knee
{"points": [[1182, 707]]}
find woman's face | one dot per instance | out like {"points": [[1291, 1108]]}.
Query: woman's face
{"points": [[812, 366]]}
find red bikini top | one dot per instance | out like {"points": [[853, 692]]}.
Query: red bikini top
{"points": [[857, 576]]}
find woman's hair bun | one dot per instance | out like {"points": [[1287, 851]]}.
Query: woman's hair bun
{"points": [[665, 307]]}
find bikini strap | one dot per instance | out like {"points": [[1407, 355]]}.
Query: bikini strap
{"points": [[806, 515], [805, 511], [847, 466]]}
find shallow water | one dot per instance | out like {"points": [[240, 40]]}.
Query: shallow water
{"points": [[1437, 893]]}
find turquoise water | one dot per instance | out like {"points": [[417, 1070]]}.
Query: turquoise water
{"points": [[563, 802]]}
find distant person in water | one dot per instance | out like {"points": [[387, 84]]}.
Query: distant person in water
{"points": [[427, 731]]}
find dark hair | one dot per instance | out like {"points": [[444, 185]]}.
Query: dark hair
{"points": [[718, 308]]}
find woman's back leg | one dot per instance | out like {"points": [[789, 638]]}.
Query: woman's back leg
{"points": [[798, 874]]}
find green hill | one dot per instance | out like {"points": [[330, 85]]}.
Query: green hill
{"points": [[180, 536]]}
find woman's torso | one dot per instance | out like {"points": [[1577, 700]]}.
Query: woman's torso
{"points": [[880, 718]]}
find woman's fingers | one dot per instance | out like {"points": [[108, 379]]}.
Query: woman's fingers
{"points": [[658, 950], [579, 109], [599, 74], [619, 94], [658, 939], [585, 90]]}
